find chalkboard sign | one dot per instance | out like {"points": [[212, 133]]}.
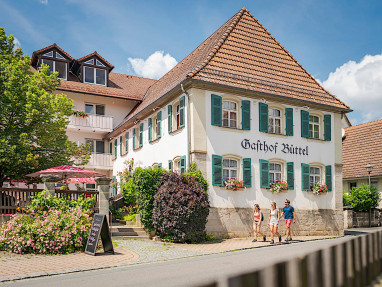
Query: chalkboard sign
{"points": [[99, 227]]}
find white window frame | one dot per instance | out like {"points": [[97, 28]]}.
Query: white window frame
{"points": [[315, 175], [275, 172], [176, 165], [94, 144], [314, 124], [230, 111], [273, 118], [231, 169], [90, 189], [54, 67], [95, 77], [95, 109]]}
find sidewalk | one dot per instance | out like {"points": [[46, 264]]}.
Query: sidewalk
{"points": [[128, 252]]}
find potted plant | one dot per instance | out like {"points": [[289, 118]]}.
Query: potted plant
{"points": [[279, 186], [233, 183], [80, 114], [319, 188]]}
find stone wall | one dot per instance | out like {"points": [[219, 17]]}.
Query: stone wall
{"points": [[361, 218], [238, 222]]}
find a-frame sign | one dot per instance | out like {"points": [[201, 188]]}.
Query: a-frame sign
{"points": [[99, 227]]}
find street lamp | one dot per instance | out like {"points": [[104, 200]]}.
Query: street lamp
{"points": [[369, 169]]}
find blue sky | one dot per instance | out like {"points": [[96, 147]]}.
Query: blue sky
{"points": [[338, 42]]}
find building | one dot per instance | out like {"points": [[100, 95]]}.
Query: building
{"points": [[241, 106], [362, 145]]}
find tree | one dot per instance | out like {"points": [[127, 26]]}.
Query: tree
{"points": [[33, 120], [361, 199]]}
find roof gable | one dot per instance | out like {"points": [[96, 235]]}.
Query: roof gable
{"points": [[97, 57], [47, 50]]}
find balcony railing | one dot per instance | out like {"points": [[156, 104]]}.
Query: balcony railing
{"points": [[92, 122], [100, 161]]}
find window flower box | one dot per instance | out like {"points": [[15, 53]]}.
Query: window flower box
{"points": [[319, 188], [233, 183], [80, 114], [279, 186]]}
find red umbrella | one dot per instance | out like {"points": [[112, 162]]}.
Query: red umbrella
{"points": [[87, 180], [67, 171]]}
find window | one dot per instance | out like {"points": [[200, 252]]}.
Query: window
{"points": [[177, 165], [96, 146], [94, 109], [56, 66], [90, 187], [94, 76], [177, 117], [229, 114], [274, 121], [49, 54], [315, 175], [314, 127], [230, 168], [98, 63], [352, 185], [275, 172]]}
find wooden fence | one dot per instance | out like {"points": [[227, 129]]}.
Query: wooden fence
{"points": [[355, 262], [13, 200]]}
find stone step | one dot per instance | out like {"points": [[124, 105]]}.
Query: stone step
{"points": [[130, 237], [126, 228], [129, 233], [124, 223]]}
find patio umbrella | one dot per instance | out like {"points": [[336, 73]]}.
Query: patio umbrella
{"points": [[86, 180], [67, 171]]}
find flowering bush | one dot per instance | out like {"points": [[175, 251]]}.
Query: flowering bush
{"points": [[49, 232], [279, 186], [80, 114], [319, 188], [233, 183]]}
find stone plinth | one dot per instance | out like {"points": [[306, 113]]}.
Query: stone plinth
{"points": [[49, 184], [103, 195]]}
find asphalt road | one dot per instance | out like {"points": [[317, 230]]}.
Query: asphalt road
{"points": [[185, 272]]}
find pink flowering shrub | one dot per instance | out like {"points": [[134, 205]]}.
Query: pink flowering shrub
{"points": [[49, 232]]}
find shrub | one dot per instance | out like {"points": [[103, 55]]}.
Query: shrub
{"points": [[49, 232], [146, 182], [180, 209], [129, 192], [359, 198], [197, 174]]}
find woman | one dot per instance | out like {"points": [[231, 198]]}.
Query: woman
{"points": [[274, 218], [258, 217]]}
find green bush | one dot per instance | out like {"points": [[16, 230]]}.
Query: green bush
{"points": [[180, 209], [146, 182], [360, 199], [197, 174], [129, 192]]}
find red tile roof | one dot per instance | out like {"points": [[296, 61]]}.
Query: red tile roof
{"points": [[35, 53], [243, 54], [361, 145], [95, 54], [120, 86]]}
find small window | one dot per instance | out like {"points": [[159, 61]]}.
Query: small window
{"points": [[230, 168], [98, 63], [59, 56], [352, 185], [94, 76], [56, 66], [90, 62], [91, 187], [275, 172], [49, 54], [315, 175], [50, 63], [157, 128], [274, 121], [96, 146], [314, 127], [94, 109], [177, 165], [177, 117], [100, 77], [89, 75], [229, 114]]}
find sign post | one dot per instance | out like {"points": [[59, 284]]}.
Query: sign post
{"points": [[99, 227]]}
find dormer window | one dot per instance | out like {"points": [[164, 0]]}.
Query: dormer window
{"points": [[94, 76], [56, 62]]}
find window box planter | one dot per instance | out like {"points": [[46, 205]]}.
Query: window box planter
{"points": [[233, 184], [80, 114], [319, 188], [279, 186]]}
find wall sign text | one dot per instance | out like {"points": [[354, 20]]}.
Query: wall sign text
{"points": [[263, 146]]}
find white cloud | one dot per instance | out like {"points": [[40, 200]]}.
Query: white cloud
{"points": [[45, 2], [16, 42], [155, 66], [359, 85]]}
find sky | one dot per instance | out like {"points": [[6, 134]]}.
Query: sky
{"points": [[337, 42]]}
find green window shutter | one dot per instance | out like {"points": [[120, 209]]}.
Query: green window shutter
{"points": [[181, 112], [263, 117], [115, 148], [141, 135], [327, 127], [246, 115], [217, 170], [264, 173], [216, 110], [183, 164], [170, 165], [150, 127], [159, 124], [114, 188], [160, 165], [304, 124], [111, 148], [290, 175], [247, 172], [127, 142], [169, 118], [328, 177], [305, 176], [120, 145], [134, 139], [289, 121]]}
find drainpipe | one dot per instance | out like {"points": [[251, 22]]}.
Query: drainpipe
{"points": [[188, 123]]}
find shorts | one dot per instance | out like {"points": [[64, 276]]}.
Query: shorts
{"points": [[273, 223], [288, 222], [256, 223]]}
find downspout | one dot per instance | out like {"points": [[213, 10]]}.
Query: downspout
{"points": [[188, 123]]}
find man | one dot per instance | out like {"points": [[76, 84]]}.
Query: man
{"points": [[289, 215]]}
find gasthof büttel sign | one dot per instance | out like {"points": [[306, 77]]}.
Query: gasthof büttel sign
{"points": [[263, 146]]}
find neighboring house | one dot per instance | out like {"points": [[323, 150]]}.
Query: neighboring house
{"points": [[361, 145], [242, 107]]}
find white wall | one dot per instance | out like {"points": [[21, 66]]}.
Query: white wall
{"points": [[223, 141]]}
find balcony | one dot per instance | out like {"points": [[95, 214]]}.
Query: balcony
{"points": [[100, 161], [92, 123]]}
